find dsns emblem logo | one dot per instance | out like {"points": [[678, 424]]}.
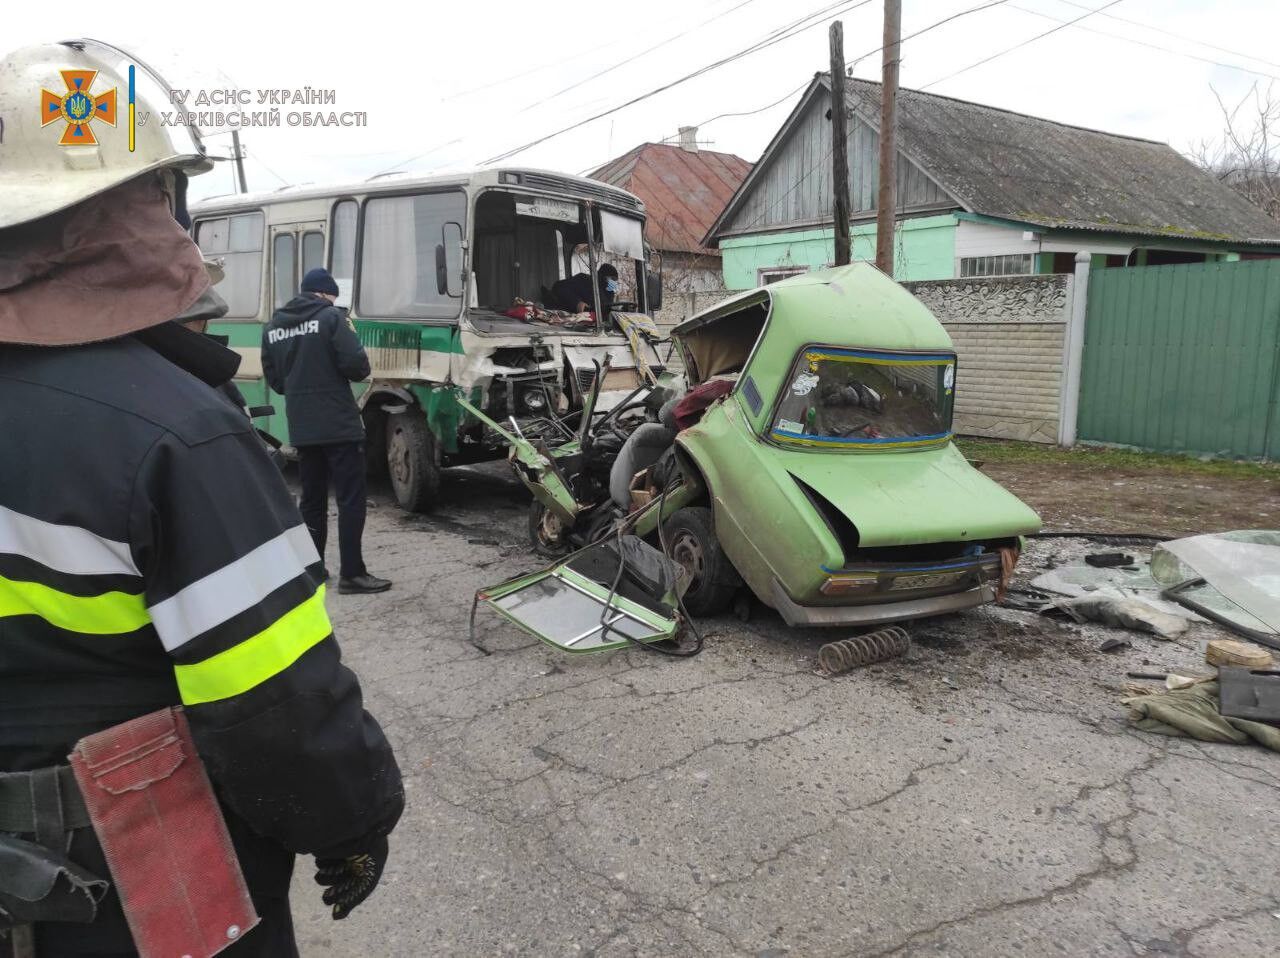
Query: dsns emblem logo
{"points": [[78, 108]]}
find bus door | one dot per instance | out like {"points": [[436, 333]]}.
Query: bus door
{"points": [[295, 248]]}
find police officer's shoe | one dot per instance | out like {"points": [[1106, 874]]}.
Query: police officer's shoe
{"points": [[360, 584]]}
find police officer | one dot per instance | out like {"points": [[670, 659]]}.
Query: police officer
{"points": [[149, 553], [311, 355]]}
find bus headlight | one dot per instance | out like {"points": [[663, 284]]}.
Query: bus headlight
{"points": [[533, 399]]}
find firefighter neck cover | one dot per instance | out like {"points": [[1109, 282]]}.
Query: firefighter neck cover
{"points": [[112, 265]]}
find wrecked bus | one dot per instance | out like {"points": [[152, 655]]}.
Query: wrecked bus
{"points": [[823, 478], [444, 277]]}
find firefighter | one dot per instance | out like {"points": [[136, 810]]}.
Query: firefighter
{"points": [[150, 554]]}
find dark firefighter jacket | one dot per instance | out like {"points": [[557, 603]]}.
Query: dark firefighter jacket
{"points": [[150, 555], [311, 355]]}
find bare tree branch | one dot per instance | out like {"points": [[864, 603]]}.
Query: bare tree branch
{"points": [[1247, 155]]}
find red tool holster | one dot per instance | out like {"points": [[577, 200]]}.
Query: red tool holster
{"points": [[164, 837]]}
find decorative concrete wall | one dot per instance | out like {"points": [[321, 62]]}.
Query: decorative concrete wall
{"points": [[1008, 333]]}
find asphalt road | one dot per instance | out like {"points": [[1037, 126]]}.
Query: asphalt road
{"points": [[983, 796]]}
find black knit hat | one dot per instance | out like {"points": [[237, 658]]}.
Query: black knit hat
{"points": [[318, 280]]}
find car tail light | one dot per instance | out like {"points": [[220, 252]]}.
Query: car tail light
{"points": [[849, 584]]}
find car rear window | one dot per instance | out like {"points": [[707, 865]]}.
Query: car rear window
{"points": [[845, 398]]}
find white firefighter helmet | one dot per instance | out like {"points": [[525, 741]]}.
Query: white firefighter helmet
{"points": [[65, 124]]}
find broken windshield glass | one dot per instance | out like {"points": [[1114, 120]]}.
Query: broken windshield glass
{"points": [[846, 397]]}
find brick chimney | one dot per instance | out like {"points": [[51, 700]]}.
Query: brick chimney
{"points": [[689, 139]]}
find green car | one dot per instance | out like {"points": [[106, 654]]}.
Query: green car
{"points": [[824, 478], [834, 488]]}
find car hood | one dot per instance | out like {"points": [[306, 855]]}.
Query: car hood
{"points": [[910, 497]]}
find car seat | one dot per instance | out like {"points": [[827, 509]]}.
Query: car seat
{"points": [[642, 449]]}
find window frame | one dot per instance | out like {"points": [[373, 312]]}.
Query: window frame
{"points": [[783, 272], [358, 279], [292, 237], [302, 250], [257, 315], [1028, 257], [769, 422], [331, 241]]}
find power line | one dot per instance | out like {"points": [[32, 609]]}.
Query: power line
{"points": [[910, 36], [776, 37], [759, 109], [547, 65], [631, 59], [1151, 46], [1018, 46], [1176, 36], [932, 26]]}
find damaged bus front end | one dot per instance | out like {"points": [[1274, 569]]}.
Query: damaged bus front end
{"points": [[451, 285]]}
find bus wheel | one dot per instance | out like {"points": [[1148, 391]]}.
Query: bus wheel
{"points": [[691, 542], [413, 460], [375, 441]]}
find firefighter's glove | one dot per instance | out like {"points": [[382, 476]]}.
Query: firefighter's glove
{"points": [[351, 880]]}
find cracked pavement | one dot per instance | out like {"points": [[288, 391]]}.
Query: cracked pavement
{"points": [[983, 796]]}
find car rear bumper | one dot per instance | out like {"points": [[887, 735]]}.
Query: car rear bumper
{"points": [[881, 612]]}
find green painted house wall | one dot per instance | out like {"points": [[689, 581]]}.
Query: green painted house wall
{"points": [[926, 249]]}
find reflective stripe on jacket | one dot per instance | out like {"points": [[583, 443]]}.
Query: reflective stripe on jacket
{"points": [[150, 554]]}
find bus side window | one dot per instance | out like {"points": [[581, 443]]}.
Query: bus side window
{"points": [[342, 255], [284, 269], [235, 243], [312, 251]]}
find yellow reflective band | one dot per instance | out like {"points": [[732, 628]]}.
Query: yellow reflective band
{"points": [[111, 613], [257, 658]]}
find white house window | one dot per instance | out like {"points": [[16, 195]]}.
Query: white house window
{"points": [[774, 273], [1013, 264]]}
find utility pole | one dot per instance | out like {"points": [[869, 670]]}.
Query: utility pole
{"points": [[238, 156], [887, 204], [839, 147]]}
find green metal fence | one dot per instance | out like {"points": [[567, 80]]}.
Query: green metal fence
{"points": [[1184, 359]]}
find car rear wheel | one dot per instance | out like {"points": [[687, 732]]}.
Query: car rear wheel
{"points": [[691, 542], [412, 460]]}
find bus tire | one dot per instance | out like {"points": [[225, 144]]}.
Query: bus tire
{"points": [[375, 442], [690, 541], [413, 460]]}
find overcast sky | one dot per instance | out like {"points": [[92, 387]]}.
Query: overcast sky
{"points": [[449, 86]]}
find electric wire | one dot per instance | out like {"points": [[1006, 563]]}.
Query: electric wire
{"points": [[1019, 46], [636, 56], [1150, 46], [794, 29], [932, 26], [546, 65], [823, 162], [1176, 36]]}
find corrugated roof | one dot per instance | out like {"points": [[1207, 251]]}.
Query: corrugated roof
{"points": [[1031, 170], [683, 191]]}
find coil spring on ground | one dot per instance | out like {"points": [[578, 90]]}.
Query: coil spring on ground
{"points": [[846, 654]]}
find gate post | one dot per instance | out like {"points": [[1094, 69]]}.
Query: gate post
{"points": [[1073, 353]]}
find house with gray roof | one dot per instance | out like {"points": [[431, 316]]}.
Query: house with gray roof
{"points": [[981, 192]]}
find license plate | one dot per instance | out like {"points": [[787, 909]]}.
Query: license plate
{"points": [[926, 580]]}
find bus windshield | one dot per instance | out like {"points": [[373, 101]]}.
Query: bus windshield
{"points": [[531, 264]]}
